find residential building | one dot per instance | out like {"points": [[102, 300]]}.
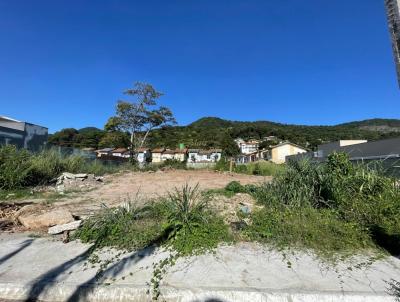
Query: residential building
{"points": [[156, 155], [121, 152], [280, 152], [393, 16], [325, 149], [168, 154], [22, 134], [383, 150], [204, 156], [247, 147], [104, 152], [180, 154]]}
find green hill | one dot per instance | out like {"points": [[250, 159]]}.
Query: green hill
{"points": [[214, 132], [209, 132]]}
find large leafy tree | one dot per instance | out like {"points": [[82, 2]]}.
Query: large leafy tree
{"points": [[140, 115]]}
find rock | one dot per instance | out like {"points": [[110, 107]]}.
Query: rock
{"points": [[81, 175], [68, 175], [245, 209], [64, 227], [99, 178], [40, 216]]}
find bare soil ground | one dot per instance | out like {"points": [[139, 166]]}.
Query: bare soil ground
{"points": [[142, 186]]}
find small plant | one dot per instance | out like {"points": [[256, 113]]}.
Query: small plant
{"points": [[235, 187]]}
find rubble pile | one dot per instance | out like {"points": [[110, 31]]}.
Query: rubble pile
{"points": [[77, 182]]}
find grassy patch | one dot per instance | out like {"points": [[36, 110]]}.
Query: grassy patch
{"points": [[314, 205], [21, 169], [263, 168], [183, 222], [307, 229]]}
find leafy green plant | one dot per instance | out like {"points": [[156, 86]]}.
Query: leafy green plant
{"points": [[20, 168], [355, 194], [127, 227], [307, 228]]}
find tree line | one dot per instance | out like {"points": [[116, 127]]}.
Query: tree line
{"points": [[141, 121]]}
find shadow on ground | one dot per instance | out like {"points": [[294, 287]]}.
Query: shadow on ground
{"points": [[24, 245], [47, 280], [89, 286]]}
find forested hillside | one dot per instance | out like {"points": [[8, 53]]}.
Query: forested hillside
{"points": [[216, 132]]}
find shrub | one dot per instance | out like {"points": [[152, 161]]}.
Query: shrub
{"points": [[307, 228], [235, 187], [173, 164], [127, 228], [356, 195], [192, 226], [183, 222], [15, 167], [20, 168], [263, 168]]}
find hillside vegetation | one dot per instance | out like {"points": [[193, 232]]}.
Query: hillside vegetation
{"points": [[215, 132]]}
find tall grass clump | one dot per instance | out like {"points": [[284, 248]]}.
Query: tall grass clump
{"points": [[19, 168], [263, 168], [183, 222], [351, 206]]}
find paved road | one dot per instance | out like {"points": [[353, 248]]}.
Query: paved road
{"points": [[50, 270]]}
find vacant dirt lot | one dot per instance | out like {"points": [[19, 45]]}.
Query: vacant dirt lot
{"points": [[141, 186], [159, 183]]}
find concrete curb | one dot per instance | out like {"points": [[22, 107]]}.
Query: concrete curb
{"points": [[60, 292]]}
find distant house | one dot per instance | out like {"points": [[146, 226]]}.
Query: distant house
{"points": [[361, 150], [326, 149], [22, 134], [247, 147], [204, 156], [167, 154], [121, 152], [180, 154], [252, 157], [278, 153], [104, 152], [143, 155], [156, 155]]}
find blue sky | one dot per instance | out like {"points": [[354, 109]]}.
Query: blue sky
{"points": [[65, 63]]}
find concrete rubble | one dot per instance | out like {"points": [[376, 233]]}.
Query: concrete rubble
{"points": [[69, 181], [58, 229]]}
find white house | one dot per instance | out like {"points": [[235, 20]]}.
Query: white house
{"points": [[168, 154], [104, 151], [156, 155], [248, 147], [204, 156], [120, 152]]}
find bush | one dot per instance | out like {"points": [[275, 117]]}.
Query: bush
{"points": [[20, 168], [183, 222], [235, 187], [173, 164], [15, 167], [307, 228], [126, 228], [263, 168], [356, 195]]}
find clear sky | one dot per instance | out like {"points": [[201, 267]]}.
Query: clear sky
{"points": [[65, 63]]}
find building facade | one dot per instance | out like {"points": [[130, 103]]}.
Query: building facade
{"points": [[393, 15], [22, 134], [204, 156]]}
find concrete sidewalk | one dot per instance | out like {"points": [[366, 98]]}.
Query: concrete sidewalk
{"points": [[48, 270]]}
